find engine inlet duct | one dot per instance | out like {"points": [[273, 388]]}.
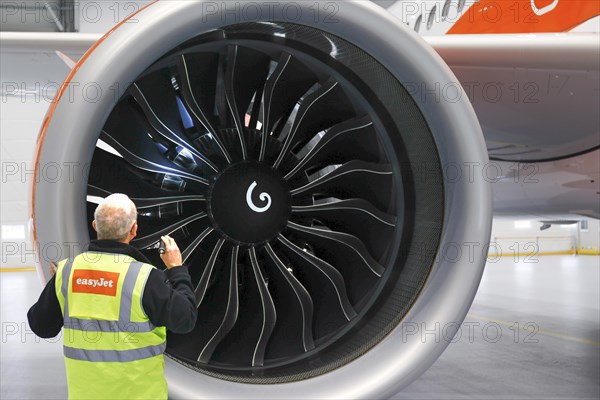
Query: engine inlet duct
{"points": [[302, 179]]}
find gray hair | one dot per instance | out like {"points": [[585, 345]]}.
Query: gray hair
{"points": [[115, 216]]}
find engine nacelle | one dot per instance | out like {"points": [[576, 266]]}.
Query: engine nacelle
{"points": [[299, 153]]}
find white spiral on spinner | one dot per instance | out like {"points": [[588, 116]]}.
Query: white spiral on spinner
{"points": [[263, 196]]}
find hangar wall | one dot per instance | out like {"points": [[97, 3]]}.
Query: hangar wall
{"points": [[591, 238], [522, 238], [29, 83]]}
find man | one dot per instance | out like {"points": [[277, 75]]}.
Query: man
{"points": [[115, 309]]}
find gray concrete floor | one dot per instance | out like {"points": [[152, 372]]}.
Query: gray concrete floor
{"points": [[533, 332]]}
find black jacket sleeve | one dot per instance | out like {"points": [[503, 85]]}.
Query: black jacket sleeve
{"points": [[45, 317], [169, 299]]}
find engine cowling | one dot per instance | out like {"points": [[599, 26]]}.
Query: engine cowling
{"points": [[300, 155]]}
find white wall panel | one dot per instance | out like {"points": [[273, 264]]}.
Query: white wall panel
{"points": [[29, 82], [508, 240], [14, 128], [21, 117], [590, 239], [13, 191]]}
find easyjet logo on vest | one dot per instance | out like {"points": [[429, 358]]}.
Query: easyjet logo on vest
{"points": [[95, 282]]}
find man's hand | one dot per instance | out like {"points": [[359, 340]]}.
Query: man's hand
{"points": [[172, 255], [53, 269]]}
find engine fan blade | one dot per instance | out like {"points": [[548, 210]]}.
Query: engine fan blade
{"points": [[355, 245], [321, 107], [355, 179], [231, 312], [350, 140], [269, 312], [245, 76], [208, 269], [156, 97], [303, 297], [333, 275], [285, 85], [357, 217], [198, 86]]}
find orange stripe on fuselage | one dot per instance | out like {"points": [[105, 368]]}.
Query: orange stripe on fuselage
{"points": [[518, 16]]}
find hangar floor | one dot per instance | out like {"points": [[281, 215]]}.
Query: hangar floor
{"points": [[533, 332]]}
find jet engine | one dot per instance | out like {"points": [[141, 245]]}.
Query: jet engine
{"points": [[311, 161]]}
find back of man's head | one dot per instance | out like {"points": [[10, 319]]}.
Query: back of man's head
{"points": [[114, 217]]}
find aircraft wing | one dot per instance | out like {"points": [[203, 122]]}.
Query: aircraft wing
{"points": [[47, 42]]}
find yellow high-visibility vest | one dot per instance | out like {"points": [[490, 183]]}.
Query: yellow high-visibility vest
{"points": [[111, 349]]}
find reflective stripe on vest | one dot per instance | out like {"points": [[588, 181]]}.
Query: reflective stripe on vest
{"points": [[122, 325], [114, 355]]}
